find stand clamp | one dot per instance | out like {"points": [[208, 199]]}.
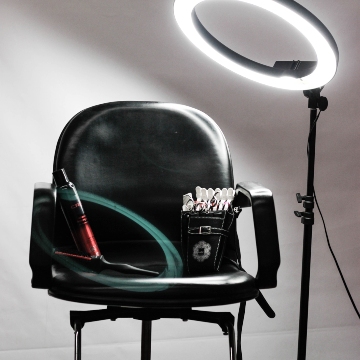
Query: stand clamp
{"points": [[307, 217], [315, 100]]}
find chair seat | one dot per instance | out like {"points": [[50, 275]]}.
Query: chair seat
{"points": [[74, 283]]}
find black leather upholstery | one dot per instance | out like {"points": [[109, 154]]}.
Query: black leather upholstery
{"points": [[228, 286], [141, 157]]}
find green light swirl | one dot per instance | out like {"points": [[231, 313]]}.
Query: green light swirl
{"points": [[174, 268], [173, 258]]}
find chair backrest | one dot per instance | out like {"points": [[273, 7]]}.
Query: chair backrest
{"points": [[143, 156]]}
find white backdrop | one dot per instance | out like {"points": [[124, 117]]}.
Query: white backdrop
{"points": [[59, 57]]}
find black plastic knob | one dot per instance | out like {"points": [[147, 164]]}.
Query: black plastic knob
{"points": [[323, 103]]}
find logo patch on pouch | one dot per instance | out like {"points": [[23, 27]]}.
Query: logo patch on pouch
{"points": [[201, 251]]}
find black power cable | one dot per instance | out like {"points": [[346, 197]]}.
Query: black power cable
{"points": [[333, 255], [326, 233]]}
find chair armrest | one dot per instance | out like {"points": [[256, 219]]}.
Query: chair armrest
{"points": [[267, 242], [42, 234]]}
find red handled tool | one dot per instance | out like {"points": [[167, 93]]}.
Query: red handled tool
{"points": [[81, 230]]}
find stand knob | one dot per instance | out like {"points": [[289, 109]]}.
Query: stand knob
{"points": [[307, 218], [299, 198], [322, 103]]}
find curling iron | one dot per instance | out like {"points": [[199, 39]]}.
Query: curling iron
{"points": [[81, 230]]}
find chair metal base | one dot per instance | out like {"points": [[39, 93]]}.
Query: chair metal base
{"points": [[224, 319]]}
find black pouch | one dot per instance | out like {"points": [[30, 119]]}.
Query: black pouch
{"points": [[203, 237]]}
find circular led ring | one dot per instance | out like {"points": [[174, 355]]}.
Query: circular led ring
{"points": [[303, 20]]}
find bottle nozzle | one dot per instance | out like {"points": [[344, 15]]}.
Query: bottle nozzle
{"points": [[60, 177]]}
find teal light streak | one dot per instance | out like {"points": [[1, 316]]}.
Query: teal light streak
{"points": [[174, 268], [173, 258]]}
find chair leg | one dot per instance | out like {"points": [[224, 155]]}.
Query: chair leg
{"points": [[146, 340], [232, 342], [240, 322], [77, 348]]}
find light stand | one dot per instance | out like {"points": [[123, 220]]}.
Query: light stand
{"points": [[291, 75], [307, 217]]}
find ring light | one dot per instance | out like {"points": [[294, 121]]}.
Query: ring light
{"points": [[292, 12]]}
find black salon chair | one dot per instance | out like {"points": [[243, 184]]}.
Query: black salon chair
{"points": [[131, 163]]}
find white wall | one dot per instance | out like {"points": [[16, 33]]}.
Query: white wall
{"points": [[59, 57]]}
